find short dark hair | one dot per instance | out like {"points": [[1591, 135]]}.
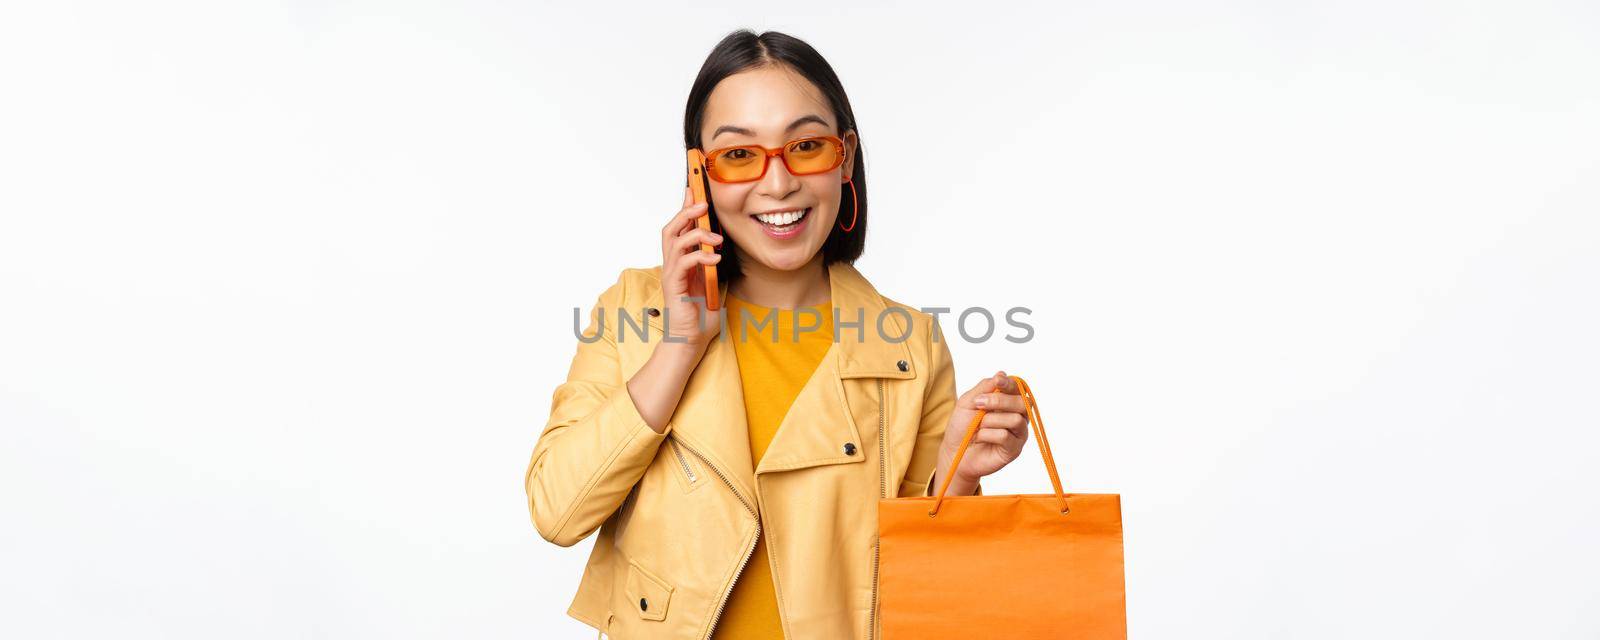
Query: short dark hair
{"points": [[743, 50]]}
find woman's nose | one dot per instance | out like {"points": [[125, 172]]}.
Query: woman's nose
{"points": [[778, 182]]}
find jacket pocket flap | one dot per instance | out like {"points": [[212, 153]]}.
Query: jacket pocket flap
{"points": [[648, 594]]}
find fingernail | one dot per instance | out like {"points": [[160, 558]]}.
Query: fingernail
{"points": [[717, 237], [982, 401]]}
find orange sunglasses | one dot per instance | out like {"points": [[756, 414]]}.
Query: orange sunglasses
{"points": [[748, 162]]}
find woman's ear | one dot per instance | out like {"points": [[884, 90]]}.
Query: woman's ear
{"points": [[849, 165]]}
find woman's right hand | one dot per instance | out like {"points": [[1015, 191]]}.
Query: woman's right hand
{"points": [[687, 319]]}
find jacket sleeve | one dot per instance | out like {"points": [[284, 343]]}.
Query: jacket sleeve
{"points": [[938, 404], [595, 446]]}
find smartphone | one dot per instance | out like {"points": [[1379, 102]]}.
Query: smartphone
{"points": [[697, 187]]}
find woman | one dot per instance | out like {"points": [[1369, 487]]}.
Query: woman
{"points": [[734, 478]]}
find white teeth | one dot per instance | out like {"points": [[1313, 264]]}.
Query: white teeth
{"points": [[781, 219]]}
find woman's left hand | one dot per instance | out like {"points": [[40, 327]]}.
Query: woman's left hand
{"points": [[999, 438]]}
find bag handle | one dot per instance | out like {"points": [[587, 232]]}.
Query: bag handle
{"points": [[1038, 432]]}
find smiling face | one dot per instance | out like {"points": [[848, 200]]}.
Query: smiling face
{"points": [[780, 221]]}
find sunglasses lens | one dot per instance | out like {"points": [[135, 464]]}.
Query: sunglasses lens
{"points": [[814, 155], [738, 164]]}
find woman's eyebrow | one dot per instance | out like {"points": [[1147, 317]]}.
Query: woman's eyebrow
{"points": [[728, 128]]}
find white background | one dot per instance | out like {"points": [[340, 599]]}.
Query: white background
{"points": [[286, 288]]}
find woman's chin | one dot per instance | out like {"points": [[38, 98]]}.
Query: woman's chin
{"points": [[787, 258]]}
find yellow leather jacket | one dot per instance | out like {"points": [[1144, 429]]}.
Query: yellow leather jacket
{"points": [[678, 511]]}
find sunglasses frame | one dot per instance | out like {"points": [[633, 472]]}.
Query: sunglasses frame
{"points": [[766, 158]]}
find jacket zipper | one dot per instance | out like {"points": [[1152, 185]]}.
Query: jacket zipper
{"points": [[883, 492], [748, 552], [682, 461]]}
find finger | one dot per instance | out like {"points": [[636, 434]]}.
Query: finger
{"points": [[683, 219], [693, 238], [984, 386], [1016, 423], [691, 219], [688, 262], [1000, 401], [669, 245], [1006, 385], [997, 436], [688, 196]]}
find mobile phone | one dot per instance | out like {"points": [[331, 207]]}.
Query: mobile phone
{"points": [[697, 187]]}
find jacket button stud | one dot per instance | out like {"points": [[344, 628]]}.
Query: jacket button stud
{"points": [[643, 605], [902, 364], [653, 311], [849, 448]]}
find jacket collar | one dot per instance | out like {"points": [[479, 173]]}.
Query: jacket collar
{"points": [[711, 417]]}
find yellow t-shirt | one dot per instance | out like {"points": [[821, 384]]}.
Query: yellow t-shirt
{"points": [[773, 374]]}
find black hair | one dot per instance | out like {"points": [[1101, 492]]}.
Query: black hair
{"points": [[743, 50]]}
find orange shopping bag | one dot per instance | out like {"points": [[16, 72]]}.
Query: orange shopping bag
{"points": [[998, 566]]}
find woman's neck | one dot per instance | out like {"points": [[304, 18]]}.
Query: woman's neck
{"points": [[761, 285]]}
